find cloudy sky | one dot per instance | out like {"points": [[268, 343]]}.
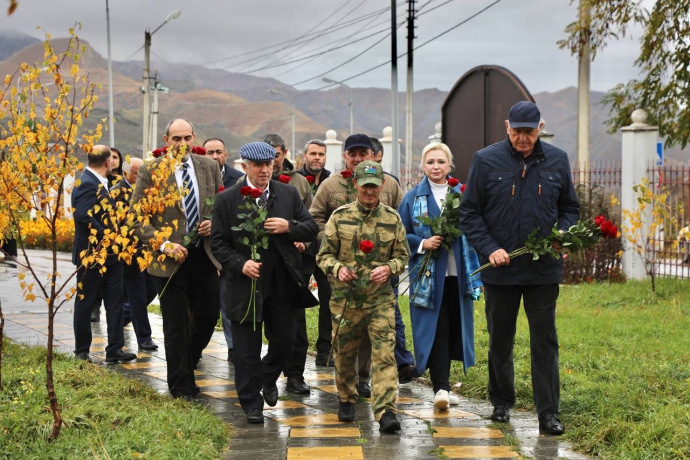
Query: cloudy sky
{"points": [[519, 35]]}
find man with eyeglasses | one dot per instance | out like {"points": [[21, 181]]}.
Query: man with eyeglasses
{"points": [[514, 187], [215, 148], [186, 277]]}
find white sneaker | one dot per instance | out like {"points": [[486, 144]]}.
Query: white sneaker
{"points": [[441, 400], [453, 399]]}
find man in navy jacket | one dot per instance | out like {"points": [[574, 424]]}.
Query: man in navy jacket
{"points": [[514, 187], [91, 200]]}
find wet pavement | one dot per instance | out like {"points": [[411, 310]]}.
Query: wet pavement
{"points": [[298, 427]]}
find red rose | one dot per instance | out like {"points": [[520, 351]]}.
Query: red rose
{"points": [[255, 193], [462, 188], [246, 190], [220, 189], [284, 178], [346, 173], [158, 152], [366, 246], [614, 231], [452, 181], [599, 220], [310, 179], [198, 150]]}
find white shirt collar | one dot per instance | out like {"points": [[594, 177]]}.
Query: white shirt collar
{"points": [[104, 180]]}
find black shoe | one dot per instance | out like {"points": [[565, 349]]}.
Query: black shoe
{"points": [[271, 395], [96, 315], [84, 356], [551, 424], [119, 355], [346, 412], [255, 416], [364, 390], [501, 414], [177, 394], [406, 373], [148, 345], [296, 385], [389, 422], [196, 390], [322, 358], [231, 358]]}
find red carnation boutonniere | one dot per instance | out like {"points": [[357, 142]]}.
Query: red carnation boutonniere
{"points": [[284, 178], [163, 150]]}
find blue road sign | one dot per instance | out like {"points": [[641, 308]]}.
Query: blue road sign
{"points": [[660, 153]]}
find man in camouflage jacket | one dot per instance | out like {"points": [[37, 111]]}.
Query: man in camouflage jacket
{"points": [[363, 301]]}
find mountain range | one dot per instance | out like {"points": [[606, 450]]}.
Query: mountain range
{"points": [[238, 108]]}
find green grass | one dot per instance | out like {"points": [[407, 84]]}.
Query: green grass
{"points": [[625, 367], [106, 415]]}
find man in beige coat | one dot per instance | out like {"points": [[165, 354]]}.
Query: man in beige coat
{"points": [[186, 277]]}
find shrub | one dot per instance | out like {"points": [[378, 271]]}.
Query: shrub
{"points": [[36, 234]]}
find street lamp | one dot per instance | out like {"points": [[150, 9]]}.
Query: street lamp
{"points": [[111, 127], [292, 100], [146, 144], [352, 105]]}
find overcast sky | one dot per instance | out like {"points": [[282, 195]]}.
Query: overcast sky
{"points": [[519, 35]]}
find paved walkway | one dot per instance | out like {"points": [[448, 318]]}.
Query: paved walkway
{"points": [[299, 427]]}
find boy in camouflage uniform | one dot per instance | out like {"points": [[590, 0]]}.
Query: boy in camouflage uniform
{"points": [[361, 306]]}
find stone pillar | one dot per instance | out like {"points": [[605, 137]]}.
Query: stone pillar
{"points": [[437, 136], [334, 152], [639, 148], [545, 135], [387, 141]]}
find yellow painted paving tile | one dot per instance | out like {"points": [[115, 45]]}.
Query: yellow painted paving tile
{"points": [[98, 348], [434, 413], [466, 432], [405, 400], [328, 388], [479, 452], [332, 453], [221, 394], [341, 432], [311, 420], [209, 351], [213, 382], [145, 365], [320, 376], [99, 340], [164, 374], [284, 405]]}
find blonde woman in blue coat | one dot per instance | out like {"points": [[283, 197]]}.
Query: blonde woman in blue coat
{"points": [[442, 311]]}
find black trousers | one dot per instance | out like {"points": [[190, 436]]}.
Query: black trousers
{"points": [[323, 341], [94, 285], [502, 306], [294, 367], [141, 290], [447, 331], [190, 306], [252, 373]]}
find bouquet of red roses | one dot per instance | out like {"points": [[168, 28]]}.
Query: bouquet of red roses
{"points": [[252, 215], [582, 235]]}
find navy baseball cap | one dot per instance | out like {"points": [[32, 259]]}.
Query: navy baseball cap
{"points": [[524, 114], [358, 140], [257, 151]]}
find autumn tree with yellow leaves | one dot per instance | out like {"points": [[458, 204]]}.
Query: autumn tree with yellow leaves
{"points": [[642, 225]]}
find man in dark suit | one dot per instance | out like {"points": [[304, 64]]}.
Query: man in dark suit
{"points": [[215, 148], [186, 277], [141, 290], [277, 274], [93, 206]]}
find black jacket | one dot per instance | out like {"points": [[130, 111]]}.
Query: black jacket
{"points": [[227, 248], [85, 197], [500, 208], [230, 176], [325, 174]]}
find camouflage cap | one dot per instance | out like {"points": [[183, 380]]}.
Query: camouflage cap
{"points": [[369, 172]]}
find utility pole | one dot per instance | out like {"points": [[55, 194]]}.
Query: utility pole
{"points": [[394, 86], [409, 131], [145, 149], [111, 127], [583, 83], [157, 87]]}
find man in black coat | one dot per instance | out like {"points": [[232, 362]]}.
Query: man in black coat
{"points": [[277, 273], [141, 289], [91, 200], [215, 148]]}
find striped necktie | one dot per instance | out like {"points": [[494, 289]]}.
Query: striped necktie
{"points": [[263, 199], [190, 206]]}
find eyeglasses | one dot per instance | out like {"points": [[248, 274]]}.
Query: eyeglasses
{"points": [[214, 152]]}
